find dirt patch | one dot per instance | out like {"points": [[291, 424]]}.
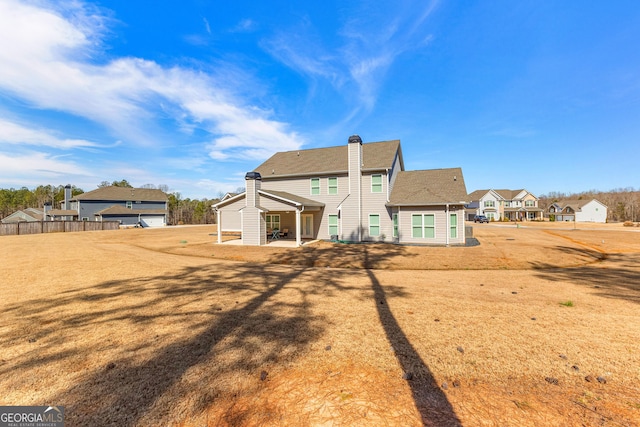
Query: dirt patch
{"points": [[164, 327]]}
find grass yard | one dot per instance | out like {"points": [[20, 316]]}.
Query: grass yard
{"points": [[537, 325]]}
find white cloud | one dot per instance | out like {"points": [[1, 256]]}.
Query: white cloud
{"points": [[45, 57], [372, 39], [41, 165], [13, 133]]}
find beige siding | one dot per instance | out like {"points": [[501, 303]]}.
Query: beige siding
{"points": [[230, 216], [253, 227], [374, 203], [351, 214], [441, 225]]}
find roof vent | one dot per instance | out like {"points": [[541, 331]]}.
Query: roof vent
{"points": [[355, 139], [455, 178]]}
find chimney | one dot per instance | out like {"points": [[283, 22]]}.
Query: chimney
{"points": [[45, 210], [253, 182], [67, 197], [352, 205]]}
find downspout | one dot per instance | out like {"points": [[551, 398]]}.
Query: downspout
{"points": [[448, 224], [218, 216]]}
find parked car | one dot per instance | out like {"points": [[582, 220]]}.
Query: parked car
{"points": [[480, 219]]}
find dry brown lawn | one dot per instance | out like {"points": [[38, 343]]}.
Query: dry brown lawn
{"points": [[535, 326]]}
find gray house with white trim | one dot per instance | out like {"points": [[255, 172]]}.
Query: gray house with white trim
{"points": [[130, 206], [354, 193]]}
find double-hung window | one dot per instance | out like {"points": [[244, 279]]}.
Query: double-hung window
{"points": [[332, 185], [315, 186], [453, 226], [529, 203], [376, 183], [489, 204], [129, 205], [395, 225], [273, 222], [423, 226], [374, 225], [333, 225]]}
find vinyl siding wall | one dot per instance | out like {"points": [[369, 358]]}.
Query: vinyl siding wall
{"points": [[374, 203], [230, 216], [441, 220]]}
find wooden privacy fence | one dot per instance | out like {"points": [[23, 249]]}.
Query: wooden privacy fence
{"points": [[19, 228]]}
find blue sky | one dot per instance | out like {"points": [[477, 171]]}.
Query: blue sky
{"points": [[193, 94]]}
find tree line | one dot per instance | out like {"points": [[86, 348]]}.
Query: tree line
{"points": [[180, 210], [623, 203]]}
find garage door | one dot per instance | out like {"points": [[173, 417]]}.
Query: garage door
{"points": [[152, 220]]}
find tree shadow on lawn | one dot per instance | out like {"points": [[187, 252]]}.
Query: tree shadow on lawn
{"points": [[435, 409], [238, 338], [616, 276], [236, 321]]}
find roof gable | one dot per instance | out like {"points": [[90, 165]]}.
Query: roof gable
{"points": [[318, 161], [429, 187]]}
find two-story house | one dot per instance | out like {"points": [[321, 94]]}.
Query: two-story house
{"points": [[511, 205], [354, 193], [130, 206], [578, 210]]}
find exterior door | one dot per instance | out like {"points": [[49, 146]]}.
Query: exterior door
{"points": [[306, 226]]}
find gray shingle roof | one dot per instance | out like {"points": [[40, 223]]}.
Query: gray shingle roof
{"points": [[294, 198], [124, 194], [376, 155], [429, 187], [121, 210]]}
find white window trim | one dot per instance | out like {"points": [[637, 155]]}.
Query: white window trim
{"points": [[381, 183], [422, 226], [379, 226], [395, 224], [311, 181], [452, 215], [329, 187], [337, 224], [267, 223]]}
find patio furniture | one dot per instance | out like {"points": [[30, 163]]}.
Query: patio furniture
{"points": [[275, 235]]}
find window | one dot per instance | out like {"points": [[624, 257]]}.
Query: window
{"points": [[529, 203], [129, 205], [84, 218], [374, 225], [333, 225], [315, 186], [332, 185], [423, 226], [273, 222], [376, 183], [489, 204], [395, 225], [453, 226]]}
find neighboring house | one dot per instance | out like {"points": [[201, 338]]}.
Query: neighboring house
{"points": [[354, 193], [512, 205], [131, 206], [24, 215], [578, 210]]}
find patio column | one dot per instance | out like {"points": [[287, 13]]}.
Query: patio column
{"points": [[298, 228], [218, 216]]}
